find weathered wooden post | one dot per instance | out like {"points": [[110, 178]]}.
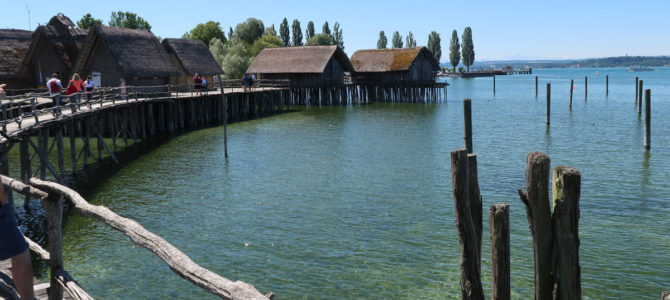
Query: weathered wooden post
{"points": [[471, 285], [548, 103], [536, 199], [665, 295], [53, 208], [475, 202], [535, 86], [647, 119], [467, 119], [636, 83], [494, 84], [639, 96], [586, 87], [500, 252], [607, 85], [566, 187], [225, 119], [572, 82]]}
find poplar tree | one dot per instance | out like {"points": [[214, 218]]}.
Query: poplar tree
{"points": [[410, 41], [381, 43], [397, 40], [284, 32], [297, 33], [339, 40], [309, 33], [230, 32], [434, 45], [454, 50], [468, 48], [326, 29]]}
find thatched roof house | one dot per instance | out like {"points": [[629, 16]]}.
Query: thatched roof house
{"points": [[190, 57], [14, 44], [134, 55], [304, 66], [397, 65], [53, 49]]}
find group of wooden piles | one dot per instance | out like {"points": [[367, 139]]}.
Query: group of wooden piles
{"points": [[348, 94]]}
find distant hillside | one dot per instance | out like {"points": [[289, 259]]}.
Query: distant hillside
{"points": [[606, 62]]}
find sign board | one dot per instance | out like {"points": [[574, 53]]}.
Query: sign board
{"points": [[97, 79]]}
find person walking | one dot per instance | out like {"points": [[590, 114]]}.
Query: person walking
{"points": [[55, 87], [13, 245], [90, 85]]}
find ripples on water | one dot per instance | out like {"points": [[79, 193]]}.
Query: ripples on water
{"points": [[355, 202]]}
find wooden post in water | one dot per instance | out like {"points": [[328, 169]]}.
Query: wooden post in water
{"points": [[500, 252], [471, 285], [494, 84], [607, 85], [225, 119], [536, 199], [53, 208], [586, 87], [467, 119], [548, 103], [572, 83], [475, 203], [639, 96], [636, 83], [647, 119], [566, 187], [535, 86]]}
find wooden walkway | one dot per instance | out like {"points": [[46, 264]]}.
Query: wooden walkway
{"points": [[7, 290]]}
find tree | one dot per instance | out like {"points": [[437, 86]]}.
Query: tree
{"points": [[309, 33], [325, 29], [249, 30], [271, 30], [128, 20], [232, 57], [230, 32], [381, 43], [296, 39], [284, 32], [397, 40], [434, 45], [454, 50], [266, 41], [468, 48], [87, 22], [339, 40], [410, 41], [321, 39], [206, 32]]}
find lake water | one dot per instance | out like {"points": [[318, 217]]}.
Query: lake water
{"points": [[356, 202]]}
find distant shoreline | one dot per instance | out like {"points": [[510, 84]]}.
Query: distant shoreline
{"points": [[606, 62]]}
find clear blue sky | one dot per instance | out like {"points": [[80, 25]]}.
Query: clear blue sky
{"points": [[501, 29]]}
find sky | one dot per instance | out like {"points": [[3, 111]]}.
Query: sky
{"points": [[502, 30]]}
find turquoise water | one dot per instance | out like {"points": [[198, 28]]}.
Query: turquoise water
{"points": [[355, 202]]}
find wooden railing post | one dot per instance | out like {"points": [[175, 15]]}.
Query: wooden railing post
{"points": [[33, 110], [500, 252], [565, 221], [53, 207]]}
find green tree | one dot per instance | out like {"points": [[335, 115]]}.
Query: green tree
{"points": [[271, 30], [381, 43], [321, 39], [434, 45], [232, 57], [206, 32], [326, 29], [309, 32], [410, 41], [87, 22], [230, 32], [454, 50], [266, 41], [249, 30], [296, 39], [467, 48], [284, 34], [338, 38], [128, 20], [397, 40]]}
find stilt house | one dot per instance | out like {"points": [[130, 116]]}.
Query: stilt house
{"points": [[392, 66], [137, 56], [190, 57], [14, 44], [53, 49], [306, 66]]}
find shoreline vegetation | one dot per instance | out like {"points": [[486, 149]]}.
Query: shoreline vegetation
{"points": [[605, 62]]}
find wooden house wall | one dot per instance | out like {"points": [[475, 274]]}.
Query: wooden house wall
{"points": [[102, 61], [50, 62], [421, 70], [334, 73]]}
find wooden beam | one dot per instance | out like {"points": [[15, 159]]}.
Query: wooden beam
{"points": [[45, 160]]}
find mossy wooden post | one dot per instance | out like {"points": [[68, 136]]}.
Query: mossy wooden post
{"points": [[225, 119], [536, 199], [535, 86], [471, 285], [647, 119], [500, 252], [636, 83], [475, 203], [607, 85], [572, 83], [565, 220], [467, 120], [586, 87], [639, 96], [548, 103], [53, 208]]}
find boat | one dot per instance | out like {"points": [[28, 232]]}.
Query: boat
{"points": [[640, 68], [597, 73]]}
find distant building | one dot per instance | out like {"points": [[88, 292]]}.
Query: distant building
{"points": [[53, 49], [190, 57], [14, 44], [392, 66], [304, 66], [134, 55]]}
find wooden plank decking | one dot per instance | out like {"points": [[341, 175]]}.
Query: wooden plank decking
{"points": [[7, 290]]}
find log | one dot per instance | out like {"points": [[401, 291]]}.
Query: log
{"points": [[639, 103], [22, 188], [500, 252], [178, 262], [647, 119], [572, 82], [665, 295], [467, 120], [565, 221], [53, 208], [548, 103], [471, 285], [475, 203], [536, 199]]}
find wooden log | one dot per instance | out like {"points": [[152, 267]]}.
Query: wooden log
{"points": [[535, 86], [471, 285], [44, 160], [467, 120], [178, 262], [536, 199], [494, 84], [225, 120], [665, 295], [607, 85], [572, 84], [43, 145], [647, 119], [475, 203], [636, 83], [639, 103], [59, 148], [500, 252], [23, 188], [548, 103], [565, 221], [73, 146], [53, 207], [586, 87]]}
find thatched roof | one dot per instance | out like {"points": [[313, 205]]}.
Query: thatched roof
{"points": [[62, 35], [14, 45], [138, 53], [193, 55], [388, 60], [305, 59]]}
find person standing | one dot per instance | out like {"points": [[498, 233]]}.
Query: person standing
{"points": [[89, 84], [55, 87], [245, 80], [77, 88], [204, 84], [14, 246], [197, 84], [122, 89], [3, 94]]}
